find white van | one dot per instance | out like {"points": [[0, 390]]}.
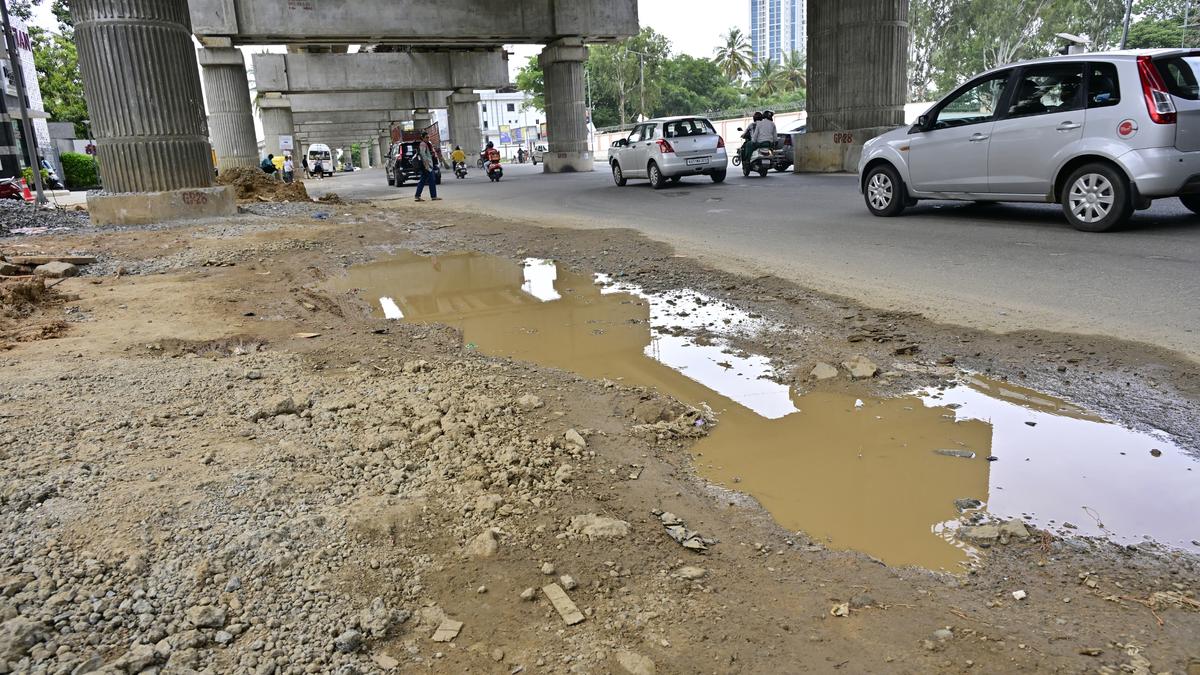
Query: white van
{"points": [[319, 152]]}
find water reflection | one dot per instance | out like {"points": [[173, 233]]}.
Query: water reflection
{"points": [[867, 478]]}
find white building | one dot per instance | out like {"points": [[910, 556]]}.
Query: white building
{"points": [[510, 120], [778, 28], [12, 114]]}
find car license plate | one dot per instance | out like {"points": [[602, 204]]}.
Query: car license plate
{"points": [[698, 160]]}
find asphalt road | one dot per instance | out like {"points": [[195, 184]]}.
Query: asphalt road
{"points": [[999, 267]]}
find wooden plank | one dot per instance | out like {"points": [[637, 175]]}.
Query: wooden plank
{"points": [[47, 259], [566, 609]]}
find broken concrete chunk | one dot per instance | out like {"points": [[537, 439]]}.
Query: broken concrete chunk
{"points": [[447, 631], [600, 527], [861, 368], [635, 664], [574, 439], [982, 535], [566, 609], [56, 270], [1014, 528], [690, 572], [841, 610], [530, 402], [824, 371], [206, 616], [385, 662], [967, 504], [484, 545]]}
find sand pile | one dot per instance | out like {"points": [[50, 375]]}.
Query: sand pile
{"points": [[254, 185]]}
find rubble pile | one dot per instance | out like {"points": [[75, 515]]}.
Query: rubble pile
{"points": [[253, 185], [17, 217]]}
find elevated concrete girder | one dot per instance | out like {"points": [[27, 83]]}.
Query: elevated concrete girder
{"points": [[367, 100], [350, 117], [414, 22], [429, 71], [371, 130]]}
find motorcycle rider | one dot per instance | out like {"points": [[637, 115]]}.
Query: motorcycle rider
{"points": [[492, 155], [748, 138], [458, 156], [764, 135]]}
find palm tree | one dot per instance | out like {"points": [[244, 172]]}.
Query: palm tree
{"points": [[795, 69], [736, 57], [769, 80]]}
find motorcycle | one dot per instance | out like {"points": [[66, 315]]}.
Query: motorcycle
{"points": [[762, 160], [460, 170], [10, 188], [495, 172]]}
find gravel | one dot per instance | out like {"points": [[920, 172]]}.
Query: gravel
{"points": [[21, 218]]}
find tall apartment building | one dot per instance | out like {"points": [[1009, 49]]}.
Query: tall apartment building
{"points": [[778, 28]]}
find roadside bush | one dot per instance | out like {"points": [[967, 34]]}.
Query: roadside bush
{"points": [[80, 171], [27, 174]]}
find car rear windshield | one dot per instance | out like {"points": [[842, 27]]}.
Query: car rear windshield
{"points": [[691, 127], [1179, 73]]}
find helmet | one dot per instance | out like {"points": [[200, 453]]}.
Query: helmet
{"points": [[458, 147], [758, 117], [490, 145]]}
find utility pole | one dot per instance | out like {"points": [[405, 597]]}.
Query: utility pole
{"points": [[26, 124], [1128, 15]]}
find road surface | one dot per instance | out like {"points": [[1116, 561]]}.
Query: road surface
{"points": [[999, 267]]}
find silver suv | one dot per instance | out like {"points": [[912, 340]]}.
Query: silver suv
{"points": [[1102, 134]]}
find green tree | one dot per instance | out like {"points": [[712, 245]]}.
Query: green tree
{"points": [[1155, 33], [57, 64], [532, 81], [627, 76], [693, 86], [735, 58], [795, 70], [769, 80]]}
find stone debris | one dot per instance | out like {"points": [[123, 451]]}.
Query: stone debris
{"points": [[575, 440], [967, 504], [548, 569], [689, 539], [56, 270], [861, 368], [1020, 595], [690, 572], [598, 527], [530, 402], [206, 616], [529, 594], [253, 185], [484, 545], [824, 371], [348, 642], [840, 610], [1014, 528], [566, 608], [447, 631], [635, 664], [568, 582], [385, 662]]}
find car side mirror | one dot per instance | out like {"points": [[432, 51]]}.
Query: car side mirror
{"points": [[923, 121], [624, 142]]}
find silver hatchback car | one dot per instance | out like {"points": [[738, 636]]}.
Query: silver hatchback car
{"points": [[667, 149], [1102, 134]]}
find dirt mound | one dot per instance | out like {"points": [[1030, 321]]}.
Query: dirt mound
{"points": [[332, 198], [254, 185], [20, 305]]}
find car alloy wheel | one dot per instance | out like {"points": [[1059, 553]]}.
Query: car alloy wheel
{"points": [[1091, 198], [881, 191]]}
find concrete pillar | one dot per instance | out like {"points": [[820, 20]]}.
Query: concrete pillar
{"points": [[566, 109], [466, 128], [857, 61], [364, 155], [230, 113], [143, 94], [277, 122], [377, 151], [422, 119]]}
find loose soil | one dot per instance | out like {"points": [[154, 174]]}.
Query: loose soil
{"points": [[252, 184], [226, 465]]}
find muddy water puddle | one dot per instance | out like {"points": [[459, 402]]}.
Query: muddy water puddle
{"points": [[878, 476]]}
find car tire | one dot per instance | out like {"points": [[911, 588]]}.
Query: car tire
{"points": [[675, 180], [782, 169], [1095, 198], [619, 175], [717, 176], [763, 171], [657, 180], [1192, 202], [884, 191], [391, 180], [745, 170]]}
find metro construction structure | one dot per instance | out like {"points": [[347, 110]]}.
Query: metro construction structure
{"points": [[142, 78]]}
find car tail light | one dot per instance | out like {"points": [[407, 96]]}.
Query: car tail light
{"points": [[1158, 100], [720, 142], [665, 146]]}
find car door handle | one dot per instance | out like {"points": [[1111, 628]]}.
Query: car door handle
{"points": [[1068, 126], [976, 138]]}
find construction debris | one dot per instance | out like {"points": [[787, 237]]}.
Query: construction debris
{"points": [[566, 609], [253, 185]]}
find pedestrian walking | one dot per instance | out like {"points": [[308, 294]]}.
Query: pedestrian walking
{"points": [[425, 162], [304, 165], [318, 169], [289, 169]]}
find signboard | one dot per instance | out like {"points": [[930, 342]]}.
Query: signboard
{"points": [[505, 134], [286, 142], [519, 135], [6, 76]]}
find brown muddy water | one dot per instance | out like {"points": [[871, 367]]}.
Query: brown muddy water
{"points": [[878, 476]]}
